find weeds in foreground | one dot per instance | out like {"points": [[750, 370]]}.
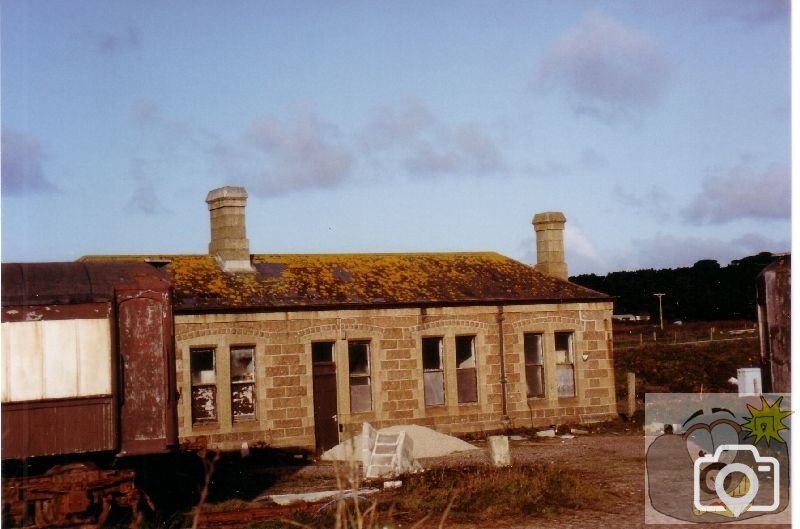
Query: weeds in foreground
{"points": [[474, 494]]}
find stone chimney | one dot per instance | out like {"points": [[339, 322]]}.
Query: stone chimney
{"points": [[549, 227], [229, 242]]}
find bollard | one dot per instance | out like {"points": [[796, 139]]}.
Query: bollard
{"points": [[631, 394], [499, 452]]}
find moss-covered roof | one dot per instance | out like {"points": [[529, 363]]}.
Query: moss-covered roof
{"points": [[358, 280]]}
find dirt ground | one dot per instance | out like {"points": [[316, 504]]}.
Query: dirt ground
{"points": [[613, 461]]}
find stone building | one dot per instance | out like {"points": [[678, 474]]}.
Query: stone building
{"points": [[299, 350]]}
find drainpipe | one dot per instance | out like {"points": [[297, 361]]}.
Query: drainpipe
{"points": [[505, 420]]}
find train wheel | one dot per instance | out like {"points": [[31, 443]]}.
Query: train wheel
{"points": [[47, 513]]}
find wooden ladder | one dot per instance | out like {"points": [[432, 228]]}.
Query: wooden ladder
{"points": [[385, 457]]}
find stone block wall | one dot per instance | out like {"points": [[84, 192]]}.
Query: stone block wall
{"points": [[284, 405]]}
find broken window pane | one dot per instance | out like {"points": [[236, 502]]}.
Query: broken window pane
{"points": [[202, 361], [433, 374], [466, 373], [242, 365], [465, 351], [243, 383], [359, 358], [565, 366], [360, 380], [204, 403], [431, 353], [204, 389], [534, 365], [322, 352], [243, 401]]}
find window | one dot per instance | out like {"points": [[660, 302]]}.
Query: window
{"points": [[466, 372], [432, 371], [360, 379], [204, 385], [243, 382], [534, 365], [322, 352], [565, 365]]}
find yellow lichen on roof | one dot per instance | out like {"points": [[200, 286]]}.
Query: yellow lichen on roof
{"points": [[296, 280]]}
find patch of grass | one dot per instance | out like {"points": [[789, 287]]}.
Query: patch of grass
{"points": [[470, 494], [685, 368], [492, 493]]}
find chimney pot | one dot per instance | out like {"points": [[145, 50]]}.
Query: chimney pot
{"points": [[229, 244], [549, 228]]}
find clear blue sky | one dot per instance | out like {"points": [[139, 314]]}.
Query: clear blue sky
{"points": [[660, 129]]}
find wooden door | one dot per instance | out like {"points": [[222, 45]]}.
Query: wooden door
{"points": [[326, 425]]}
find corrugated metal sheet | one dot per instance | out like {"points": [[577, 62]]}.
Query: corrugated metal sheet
{"points": [[68, 282]]}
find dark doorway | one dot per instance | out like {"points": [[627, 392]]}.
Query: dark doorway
{"points": [[326, 426]]}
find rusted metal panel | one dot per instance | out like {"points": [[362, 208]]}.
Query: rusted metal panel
{"points": [[52, 427], [68, 283], [773, 287], [148, 421], [85, 311]]}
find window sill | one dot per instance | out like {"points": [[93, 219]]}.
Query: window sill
{"points": [[205, 425]]}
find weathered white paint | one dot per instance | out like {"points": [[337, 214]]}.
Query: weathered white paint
{"points": [[56, 359]]}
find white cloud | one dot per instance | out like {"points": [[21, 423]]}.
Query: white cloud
{"points": [[743, 192], [425, 146], [278, 156], [607, 70]]}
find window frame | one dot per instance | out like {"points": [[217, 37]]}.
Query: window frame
{"points": [[364, 378], [241, 384], [467, 376], [430, 374], [196, 386], [540, 365], [568, 363]]}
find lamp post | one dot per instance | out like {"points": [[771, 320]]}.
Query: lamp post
{"points": [[660, 310]]}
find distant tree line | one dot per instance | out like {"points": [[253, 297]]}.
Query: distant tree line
{"points": [[704, 291]]}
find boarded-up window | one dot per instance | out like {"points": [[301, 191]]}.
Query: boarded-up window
{"points": [[565, 365], [466, 372], [534, 365], [432, 371], [243, 383], [360, 379], [204, 385]]}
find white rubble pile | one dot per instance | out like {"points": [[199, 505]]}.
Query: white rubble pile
{"points": [[426, 443]]}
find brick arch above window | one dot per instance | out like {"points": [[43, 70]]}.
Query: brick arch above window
{"points": [[470, 324], [332, 328], [556, 320], [228, 331]]}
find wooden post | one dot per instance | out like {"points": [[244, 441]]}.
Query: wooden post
{"points": [[631, 394]]}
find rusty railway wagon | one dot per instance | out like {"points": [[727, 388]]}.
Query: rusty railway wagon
{"points": [[88, 381]]}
